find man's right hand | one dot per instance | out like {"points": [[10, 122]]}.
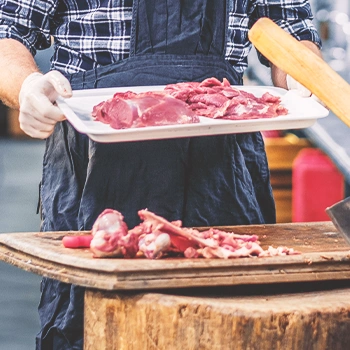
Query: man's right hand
{"points": [[38, 113], [298, 88]]}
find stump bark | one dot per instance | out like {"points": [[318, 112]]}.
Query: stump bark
{"points": [[318, 320]]}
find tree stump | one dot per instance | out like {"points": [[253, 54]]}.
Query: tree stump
{"points": [[317, 320]]}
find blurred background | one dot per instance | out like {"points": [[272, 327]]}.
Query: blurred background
{"points": [[323, 145], [20, 174]]}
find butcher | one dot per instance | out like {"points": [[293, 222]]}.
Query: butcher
{"points": [[203, 181]]}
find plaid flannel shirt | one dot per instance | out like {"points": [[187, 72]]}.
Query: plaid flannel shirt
{"points": [[88, 34]]}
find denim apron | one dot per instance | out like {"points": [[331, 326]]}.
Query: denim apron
{"points": [[204, 181]]}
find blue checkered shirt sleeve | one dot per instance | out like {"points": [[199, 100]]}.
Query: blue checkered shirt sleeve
{"points": [[294, 16]]}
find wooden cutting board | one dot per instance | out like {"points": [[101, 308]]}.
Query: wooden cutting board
{"points": [[325, 256]]}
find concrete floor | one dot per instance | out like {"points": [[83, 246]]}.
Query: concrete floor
{"points": [[20, 173]]}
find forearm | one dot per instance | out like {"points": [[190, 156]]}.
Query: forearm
{"points": [[279, 77], [16, 64]]}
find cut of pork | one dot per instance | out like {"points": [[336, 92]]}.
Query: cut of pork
{"points": [[219, 100], [131, 110]]}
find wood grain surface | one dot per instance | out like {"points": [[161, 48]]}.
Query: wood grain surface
{"points": [[325, 256], [295, 321], [294, 58]]}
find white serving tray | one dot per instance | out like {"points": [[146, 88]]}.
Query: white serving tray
{"points": [[303, 112]]}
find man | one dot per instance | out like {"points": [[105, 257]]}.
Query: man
{"points": [[204, 181]]}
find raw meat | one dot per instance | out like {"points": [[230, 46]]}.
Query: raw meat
{"points": [[131, 110], [184, 103], [156, 237], [83, 241], [111, 236], [214, 99]]}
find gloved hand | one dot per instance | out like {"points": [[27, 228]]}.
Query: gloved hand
{"points": [[38, 113], [301, 90], [298, 88]]}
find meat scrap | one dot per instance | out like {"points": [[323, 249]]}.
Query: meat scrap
{"points": [[156, 237], [184, 103], [111, 238]]}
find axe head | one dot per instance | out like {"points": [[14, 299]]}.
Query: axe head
{"points": [[340, 216]]}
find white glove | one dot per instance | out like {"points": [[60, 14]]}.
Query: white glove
{"points": [[298, 88], [38, 113], [301, 90]]}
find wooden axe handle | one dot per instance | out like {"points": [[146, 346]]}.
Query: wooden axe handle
{"points": [[295, 59]]}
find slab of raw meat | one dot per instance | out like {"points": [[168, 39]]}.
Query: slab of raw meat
{"points": [[219, 100], [131, 110]]}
